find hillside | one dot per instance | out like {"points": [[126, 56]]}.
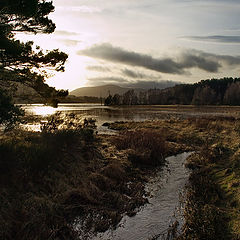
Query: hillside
{"points": [[99, 91], [104, 90], [36, 92]]}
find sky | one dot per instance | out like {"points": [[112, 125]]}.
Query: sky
{"points": [[141, 43]]}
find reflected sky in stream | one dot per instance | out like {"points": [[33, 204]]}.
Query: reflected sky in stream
{"points": [[163, 208]]}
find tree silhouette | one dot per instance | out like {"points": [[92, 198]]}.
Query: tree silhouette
{"points": [[20, 61], [23, 62]]}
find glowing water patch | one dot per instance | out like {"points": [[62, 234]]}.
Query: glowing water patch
{"points": [[43, 110]]}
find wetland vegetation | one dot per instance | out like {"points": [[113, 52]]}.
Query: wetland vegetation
{"points": [[53, 178], [212, 195]]}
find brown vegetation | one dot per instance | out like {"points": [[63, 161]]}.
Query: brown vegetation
{"points": [[147, 146], [57, 182], [58, 179], [212, 196]]}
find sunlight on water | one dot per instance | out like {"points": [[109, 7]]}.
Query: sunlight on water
{"points": [[31, 127], [43, 110]]}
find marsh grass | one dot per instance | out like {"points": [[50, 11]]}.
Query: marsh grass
{"points": [[207, 203], [204, 217], [33, 168], [212, 198], [147, 146], [50, 179], [60, 178]]}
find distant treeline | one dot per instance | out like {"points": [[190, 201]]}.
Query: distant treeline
{"points": [[82, 99], [224, 91]]}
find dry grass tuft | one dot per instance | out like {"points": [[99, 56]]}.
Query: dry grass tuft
{"points": [[114, 171], [147, 146]]}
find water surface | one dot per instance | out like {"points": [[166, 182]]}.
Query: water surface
{"points": [[126, 113]]}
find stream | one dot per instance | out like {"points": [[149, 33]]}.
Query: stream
{"points": [[163, 208]]}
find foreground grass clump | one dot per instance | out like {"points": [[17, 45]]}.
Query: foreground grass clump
{"points": [[204, 216], [147, 146], [34, 169], [212, 197], [36, 153]]}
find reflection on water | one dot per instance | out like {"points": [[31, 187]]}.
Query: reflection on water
{"points": [[100, 113], [43, 110], [124, 113]]}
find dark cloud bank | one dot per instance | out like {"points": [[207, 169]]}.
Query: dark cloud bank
{"points": [[135, 75], [98, 68], [151, 84], [188, 59], [215, 38]]}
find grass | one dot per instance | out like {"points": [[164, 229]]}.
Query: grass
{"points": [[212, 197], [147, 146], [34, 177], [50, 179]]}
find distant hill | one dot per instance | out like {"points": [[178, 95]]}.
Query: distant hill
{"points": [[101, 91]]}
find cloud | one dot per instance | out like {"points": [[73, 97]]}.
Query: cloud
{"points": [[65, 33], [215, 38], [123, 82], [98, 68], [191, 60], [150, 84], [81, 9], [140, 75], [186, 60], [119, 55], [69, 42], [107, 80], [133, 74], [223, 59]]}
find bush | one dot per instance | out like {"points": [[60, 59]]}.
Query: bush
{"points": [[36, 153]]}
